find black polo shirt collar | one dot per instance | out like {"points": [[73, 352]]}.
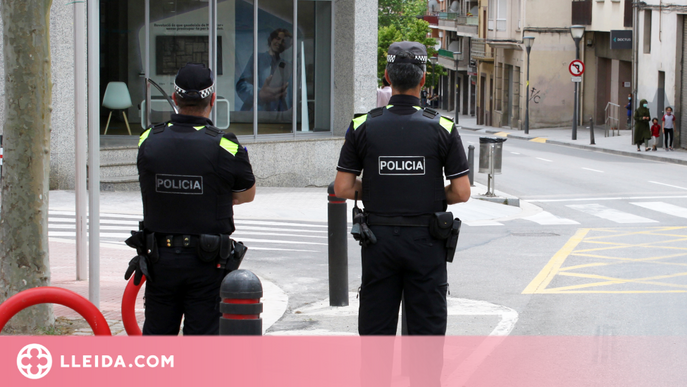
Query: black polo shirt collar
{"points": [[404, 104], [404, 99], [185, 119]]}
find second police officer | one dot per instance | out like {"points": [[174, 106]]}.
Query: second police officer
{"points": [[191, 174], [404, 152]]}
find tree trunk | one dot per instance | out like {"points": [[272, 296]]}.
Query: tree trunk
{"points": [[24, 261]]}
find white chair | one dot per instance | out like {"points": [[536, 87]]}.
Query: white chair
{"points": [[117, 97]]}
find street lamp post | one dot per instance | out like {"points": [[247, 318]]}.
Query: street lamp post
{"points": [[457, 57], [577, 32], [528, 40]]}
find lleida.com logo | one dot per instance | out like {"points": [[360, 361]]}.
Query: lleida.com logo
{"points": [[34, 361]]}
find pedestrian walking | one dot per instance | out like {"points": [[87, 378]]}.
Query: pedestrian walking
{"points": [[655, 133], [642, 133], [668, 124], [383, 93], [404, 152], [191, 174], [629, 109]]}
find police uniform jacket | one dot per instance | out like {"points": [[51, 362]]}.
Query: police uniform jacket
{"points": [[405, 152], [188, 171]]}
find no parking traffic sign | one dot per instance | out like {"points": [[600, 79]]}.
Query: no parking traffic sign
{"points": [[576, 68]]}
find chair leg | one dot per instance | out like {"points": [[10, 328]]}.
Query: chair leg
{"points": [[126, 121], [108, 122]]}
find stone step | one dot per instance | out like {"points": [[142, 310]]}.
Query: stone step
{"points": [[121, 183], [117, 170], [118, 155]]}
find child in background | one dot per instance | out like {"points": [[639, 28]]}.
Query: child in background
{"points": [[655, 132]]}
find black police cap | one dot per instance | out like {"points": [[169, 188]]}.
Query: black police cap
{"points": [[417, 53], [194, 81]]}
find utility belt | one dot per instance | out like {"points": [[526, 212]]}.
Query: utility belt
{"points": [[401, 221], [219, 248], [441, 226]]}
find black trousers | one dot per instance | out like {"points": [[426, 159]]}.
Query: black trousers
{"points": [[668, 138], [182, 286], [405, 261]]}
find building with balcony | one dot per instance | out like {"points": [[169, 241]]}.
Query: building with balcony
{"points": [[455, 24], [502, 63]]}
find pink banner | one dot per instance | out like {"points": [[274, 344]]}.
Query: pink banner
{"points": [[343, 361]]}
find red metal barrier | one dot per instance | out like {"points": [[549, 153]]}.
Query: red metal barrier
{"points": [[53, 295], [129, 307]]}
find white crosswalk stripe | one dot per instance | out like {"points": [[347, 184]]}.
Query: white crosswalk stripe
{"points": [[665, 208], [611, 214], [546, 218]]}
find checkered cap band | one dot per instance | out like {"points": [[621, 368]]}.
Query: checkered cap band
{"points": [[203, 93], [418, 59]]}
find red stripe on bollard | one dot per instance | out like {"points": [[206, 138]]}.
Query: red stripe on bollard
{"points": [[241, 316], [332, 199], [237, 301]]}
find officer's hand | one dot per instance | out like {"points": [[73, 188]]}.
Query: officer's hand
{"points": [[139, 266], [137, 241]]}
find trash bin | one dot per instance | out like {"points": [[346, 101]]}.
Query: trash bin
{"points": [[490, 152]]}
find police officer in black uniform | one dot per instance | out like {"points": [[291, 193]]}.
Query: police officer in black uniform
{"points": [[403, 151], [191, 174]]}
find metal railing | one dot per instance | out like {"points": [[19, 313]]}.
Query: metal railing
{"points": [[479, 49], [451, 19], [612, 122]]}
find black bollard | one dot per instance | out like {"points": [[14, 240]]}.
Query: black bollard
{"points": [[241, 291], [338, 249], [591, 131], [471, 164]]}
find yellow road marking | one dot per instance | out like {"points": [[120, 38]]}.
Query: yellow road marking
{"points": [[555, 265], [542, 280], [586, 265], [539, 139], [548, 291], [502, 134], [611, 280]]}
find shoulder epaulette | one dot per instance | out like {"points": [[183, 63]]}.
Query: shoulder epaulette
{"points": [[376, 112], [429, 113], [212, 131], [159, 128]]}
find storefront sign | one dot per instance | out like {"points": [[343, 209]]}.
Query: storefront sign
{"points": [[621, 39]]}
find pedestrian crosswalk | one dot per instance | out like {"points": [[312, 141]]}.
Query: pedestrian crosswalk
{"points": [[611, 214], [309, 236], [624, 213], [258, 234]]}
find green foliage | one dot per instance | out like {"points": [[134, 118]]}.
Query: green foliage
{"points": [[400, 12], [415, 30]]}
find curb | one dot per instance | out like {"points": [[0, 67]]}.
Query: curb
{"points": [[639, 155]]}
